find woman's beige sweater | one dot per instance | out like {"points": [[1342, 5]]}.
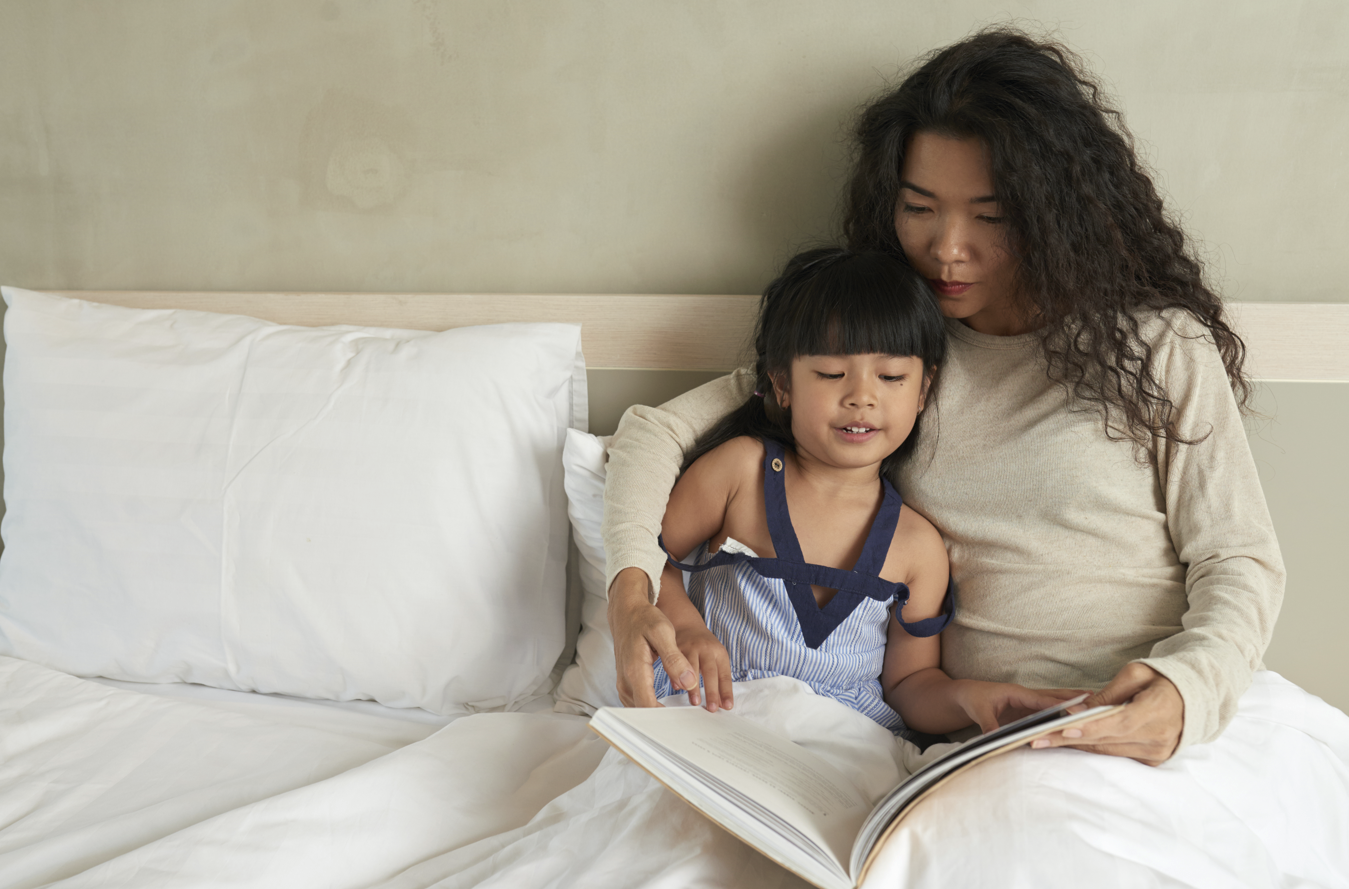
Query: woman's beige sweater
{"points": [[1071, 556]]}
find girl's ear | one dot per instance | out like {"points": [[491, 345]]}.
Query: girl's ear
{"points": [[780, 391], [927, 385]]}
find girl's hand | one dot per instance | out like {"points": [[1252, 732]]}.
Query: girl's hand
{"points": [[709, 658], [991, 704], [1147, 730]]}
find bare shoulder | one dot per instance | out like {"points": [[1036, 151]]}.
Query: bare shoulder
{"points": [[738, 455], [735, 458], [917, 551]]}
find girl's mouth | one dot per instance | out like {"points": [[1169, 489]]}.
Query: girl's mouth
{"points": [[856, 434], [949, 288]]}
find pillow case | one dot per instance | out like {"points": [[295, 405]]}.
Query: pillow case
{"points": [[591, 681], [333, 513]]}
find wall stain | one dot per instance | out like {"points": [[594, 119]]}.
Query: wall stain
{"points": [[438, 44], [356, 153]]}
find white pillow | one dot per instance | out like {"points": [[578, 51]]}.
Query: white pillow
{"points": [[591, 681], [333, 513]]}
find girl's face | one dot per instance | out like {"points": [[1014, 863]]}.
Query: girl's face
{"points": [[852, 411], [950, 227]]}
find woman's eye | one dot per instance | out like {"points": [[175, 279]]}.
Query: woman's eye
{"points": [[992, 220], [915, 209]]}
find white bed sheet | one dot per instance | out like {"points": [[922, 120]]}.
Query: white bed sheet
{"points": [[93, 770], [103, 786]]}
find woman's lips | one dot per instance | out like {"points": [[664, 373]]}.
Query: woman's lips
{"points": [[949, 288]]}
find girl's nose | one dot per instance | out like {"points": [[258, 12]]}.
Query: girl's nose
{"points": [[863, 394]]}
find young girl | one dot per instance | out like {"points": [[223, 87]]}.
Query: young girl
{"points": [[814, 568]]}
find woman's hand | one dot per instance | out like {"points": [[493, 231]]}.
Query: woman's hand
{"points": [[1147, 729], [643, 633], [991, 704]]}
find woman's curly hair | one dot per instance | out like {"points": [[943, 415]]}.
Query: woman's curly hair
{"points": [[1095, 247]]}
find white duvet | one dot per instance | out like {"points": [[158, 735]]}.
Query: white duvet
{"points": [[106, 787]]}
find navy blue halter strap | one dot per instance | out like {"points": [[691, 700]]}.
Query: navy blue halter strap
{"points": [[852, 587]]}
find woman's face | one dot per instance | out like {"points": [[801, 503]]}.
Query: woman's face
{"points": [[951, 229]]}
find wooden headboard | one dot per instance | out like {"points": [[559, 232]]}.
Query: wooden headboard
{"points": [[1302, 342], [639, 331]]}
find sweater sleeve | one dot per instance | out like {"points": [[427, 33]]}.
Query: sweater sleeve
{"points": [[644, 460], [1222, 532]]}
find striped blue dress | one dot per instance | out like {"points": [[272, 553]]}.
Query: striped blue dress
{"points": [[764, 613]]}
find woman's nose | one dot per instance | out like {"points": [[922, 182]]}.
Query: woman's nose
{"points": [[951, 244]]}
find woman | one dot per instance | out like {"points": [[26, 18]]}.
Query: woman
{"points": [[1087, 466], [1105, 525]]}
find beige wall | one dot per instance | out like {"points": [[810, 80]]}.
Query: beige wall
{"points": [[640, 146], [627, 146]]}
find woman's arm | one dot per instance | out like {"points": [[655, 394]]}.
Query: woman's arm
{"points": [[1186, 690], [645, 456], [644, 461]]}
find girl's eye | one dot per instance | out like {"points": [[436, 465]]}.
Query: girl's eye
{"points": [[824, 376], [895, 379]]}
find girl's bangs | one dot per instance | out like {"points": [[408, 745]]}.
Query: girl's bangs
{"points": [[858, 317]]}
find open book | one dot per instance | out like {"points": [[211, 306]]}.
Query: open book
{"points": [[782, 799]]}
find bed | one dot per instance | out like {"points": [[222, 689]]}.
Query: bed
{"points": [[306, 590]]}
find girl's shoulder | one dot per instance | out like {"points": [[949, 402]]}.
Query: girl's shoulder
{"points": [[741, 455], [916, 548]]}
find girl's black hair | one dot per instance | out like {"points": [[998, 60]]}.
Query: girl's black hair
{"points": [[833, 301]]}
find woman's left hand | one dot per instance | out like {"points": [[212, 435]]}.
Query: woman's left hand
{"points": [[1147, 730]]}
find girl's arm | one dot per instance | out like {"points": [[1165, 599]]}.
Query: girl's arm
{"points": [[696, 513], [912, 680], [644, 461]]}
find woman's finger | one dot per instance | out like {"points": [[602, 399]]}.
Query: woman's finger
{"points": [[1146, 730], [685, 678], [636, 669], [638, 693], [661, 641], [1129, 681]]}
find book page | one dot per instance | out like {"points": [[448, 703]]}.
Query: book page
{"points": [[817, 792], [760, 772], [887, 814]]}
